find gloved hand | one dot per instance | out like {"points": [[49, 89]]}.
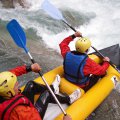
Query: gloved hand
{"points": [[106, 59], [67, 117], [35, 67], [78, 34]]}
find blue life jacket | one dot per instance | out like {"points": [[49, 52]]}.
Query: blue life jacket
{"points": [[73, 68]]}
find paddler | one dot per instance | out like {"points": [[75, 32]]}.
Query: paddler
{"points": [[17, 105], [78, 67]]}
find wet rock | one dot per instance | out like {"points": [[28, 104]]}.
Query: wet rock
{"points": [[11, 3], [7, 3]]}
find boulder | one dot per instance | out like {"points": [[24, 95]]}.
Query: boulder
{"points": [[11, 3]]}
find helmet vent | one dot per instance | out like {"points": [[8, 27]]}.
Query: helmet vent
{"points": [[3, 83], [6, 86]]}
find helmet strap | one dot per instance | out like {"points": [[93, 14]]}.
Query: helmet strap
{"points": [[87, 50], [10, 93]]}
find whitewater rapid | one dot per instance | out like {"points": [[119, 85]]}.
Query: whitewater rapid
{"points": [[102, 27]]}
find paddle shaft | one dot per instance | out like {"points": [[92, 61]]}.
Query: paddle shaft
{"points": [[32, 60], [69, 25], [104, 57]]}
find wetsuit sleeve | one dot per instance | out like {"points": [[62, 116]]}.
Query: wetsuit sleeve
{"points": [[92, 67], [21, 70], [64, 45]]}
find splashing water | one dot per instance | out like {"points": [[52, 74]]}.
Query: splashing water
{"points": [[100, 21]]}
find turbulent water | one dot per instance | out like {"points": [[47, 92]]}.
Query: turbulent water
{"points": [[98, 20]]}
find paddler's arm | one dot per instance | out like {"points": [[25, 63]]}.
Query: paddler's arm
{"points": [[64, 44], [25, 69], [94, 68]]}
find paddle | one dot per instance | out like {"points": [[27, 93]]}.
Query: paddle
{"points": [[56, 14], [19, 38]]}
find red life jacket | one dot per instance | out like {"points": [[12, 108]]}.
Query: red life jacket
{"points": [[8, 105]]}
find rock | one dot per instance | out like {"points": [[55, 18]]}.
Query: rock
{"points": [[11, 3], [7, 3]]}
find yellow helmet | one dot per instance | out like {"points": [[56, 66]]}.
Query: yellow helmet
{"points": [[82, 44], [7, 83]]}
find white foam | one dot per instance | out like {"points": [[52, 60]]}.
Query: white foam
{"points": [[103, 30]]}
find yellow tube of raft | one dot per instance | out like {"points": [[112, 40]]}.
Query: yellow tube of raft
{"points": [[82, 108]]}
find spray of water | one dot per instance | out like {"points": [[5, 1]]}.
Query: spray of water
{"points": [[103, 30]]}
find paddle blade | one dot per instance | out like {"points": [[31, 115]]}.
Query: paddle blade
{"points": [[52, 10], [17, 34]]}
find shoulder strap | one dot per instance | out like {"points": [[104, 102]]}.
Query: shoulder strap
{"points": [[79, 69]]}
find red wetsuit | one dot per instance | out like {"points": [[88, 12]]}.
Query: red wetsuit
{"points": [[19, 70]]}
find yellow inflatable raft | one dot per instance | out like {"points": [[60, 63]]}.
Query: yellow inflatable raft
{"points": [[88, 101]]}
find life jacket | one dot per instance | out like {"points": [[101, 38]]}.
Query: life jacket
{"points": [[8, 105], [23, 112], [73, 68]]}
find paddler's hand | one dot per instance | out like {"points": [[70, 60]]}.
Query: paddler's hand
{"points": [[35, 67], [67, 117], [106, 59], [78, 34]]}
